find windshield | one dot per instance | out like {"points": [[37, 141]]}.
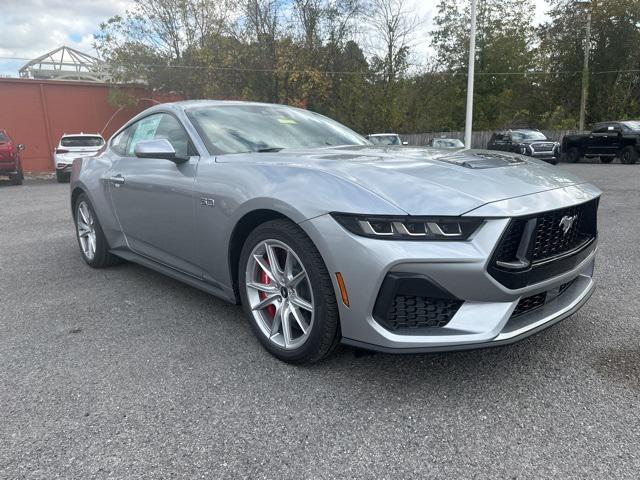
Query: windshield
{"points": [[385, 139], [528, 136], [448, 143], [81, 141], [256, 128], [632, 125]]}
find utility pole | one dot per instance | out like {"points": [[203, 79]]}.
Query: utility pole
{"points": [[585, 66], [468, 128]]}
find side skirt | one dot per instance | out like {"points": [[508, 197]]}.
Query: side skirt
{"points": [[216, 290]]}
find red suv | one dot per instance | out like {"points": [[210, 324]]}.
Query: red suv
{"points": [[10, 165]]}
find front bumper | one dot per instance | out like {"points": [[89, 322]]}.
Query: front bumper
{"points": [[65, 168], [459, 268]]}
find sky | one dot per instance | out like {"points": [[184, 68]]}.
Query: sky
{"points": [[30, 28]]}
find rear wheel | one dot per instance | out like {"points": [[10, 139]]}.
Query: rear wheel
{"points": [[573, 155], [93, 244], [287, 293], [629, 155], [62, 177]]}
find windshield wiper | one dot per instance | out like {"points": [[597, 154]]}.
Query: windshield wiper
{"points": [[270, 149]]}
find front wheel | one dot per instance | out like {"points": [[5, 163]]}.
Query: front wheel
{"points": [[18, 178], [287, 294], [629, 155]]}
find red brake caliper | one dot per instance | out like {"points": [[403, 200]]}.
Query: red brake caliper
{"points": [[264, 278]]}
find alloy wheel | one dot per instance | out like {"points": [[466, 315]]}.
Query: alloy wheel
{"points": [[86, 230], [280, 294]]}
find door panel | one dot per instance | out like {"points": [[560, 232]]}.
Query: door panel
{"points": [[154, 199]]}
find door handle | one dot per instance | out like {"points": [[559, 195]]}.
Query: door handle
{"points": [[117, 180]]}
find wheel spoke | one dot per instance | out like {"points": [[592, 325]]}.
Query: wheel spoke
{"points": [[302, 303], [297, 278], [263, 287], [270, 300], [92, 243], [286, 327], [288, 267], [84, 213], [263, 265], [297, 314], [276, 322], [273, 261]]}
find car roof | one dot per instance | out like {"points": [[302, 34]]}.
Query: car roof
{"points": [[81, 135]]}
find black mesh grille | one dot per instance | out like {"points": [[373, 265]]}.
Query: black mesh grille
{"points": [[529, 304], [552, 238], [556, 232], [511, 241], [412, 312]]}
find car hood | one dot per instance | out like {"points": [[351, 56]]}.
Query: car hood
{"points": [[424, 181]]}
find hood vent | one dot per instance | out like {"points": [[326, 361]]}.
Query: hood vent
{"points": [[481, 160]]}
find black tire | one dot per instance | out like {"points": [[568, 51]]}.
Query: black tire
{"points": [[325, 331], [102, 258], [629, 155], [18, 178], [62, 177], [606, 159], [573, 155], [552, 161]]}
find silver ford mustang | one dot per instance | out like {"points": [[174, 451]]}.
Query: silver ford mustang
{"points": [[325, 238]]}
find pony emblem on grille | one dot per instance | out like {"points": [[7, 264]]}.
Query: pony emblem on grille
{"points": [[567, 222]]}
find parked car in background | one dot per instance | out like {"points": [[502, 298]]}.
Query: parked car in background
{"points": [[324, 237], [606, 141], [530, 142], [72, 146], [386, 139], [446, 143], [10, 163]]}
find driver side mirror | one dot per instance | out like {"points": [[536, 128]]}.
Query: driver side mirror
{"points": [[161, 148], [20, 147]]}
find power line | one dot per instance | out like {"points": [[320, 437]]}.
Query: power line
{"points": [[337, 72]]}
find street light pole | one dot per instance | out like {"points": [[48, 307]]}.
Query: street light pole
{"points": [[585, 65], [468, 128]]}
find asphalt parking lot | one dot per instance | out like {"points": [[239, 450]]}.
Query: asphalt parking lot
{"points": [[123, 373]]}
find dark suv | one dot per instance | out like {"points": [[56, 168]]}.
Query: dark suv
{"points": [[530, 142], [10, 164]]}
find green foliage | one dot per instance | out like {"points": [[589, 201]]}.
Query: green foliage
{"points": [[305, 53]]}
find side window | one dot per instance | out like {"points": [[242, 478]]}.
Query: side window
{"points": [[172, 130], [144, 129], [602, 128], [119, 142]]}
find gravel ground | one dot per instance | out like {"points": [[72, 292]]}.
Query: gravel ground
{"points": [[123, 373]]}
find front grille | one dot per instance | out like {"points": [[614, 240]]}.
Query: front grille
{"points": [[543, 147], [552, 239], [414, 312], [529, 304], [549, 236]]}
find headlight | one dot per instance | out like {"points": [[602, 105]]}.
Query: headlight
{"points": [[408, 228]]}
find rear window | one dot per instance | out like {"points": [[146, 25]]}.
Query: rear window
{"points": [[3, 137], [83, 141]]}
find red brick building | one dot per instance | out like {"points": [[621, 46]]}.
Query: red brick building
{"points": [[38, 112]]}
